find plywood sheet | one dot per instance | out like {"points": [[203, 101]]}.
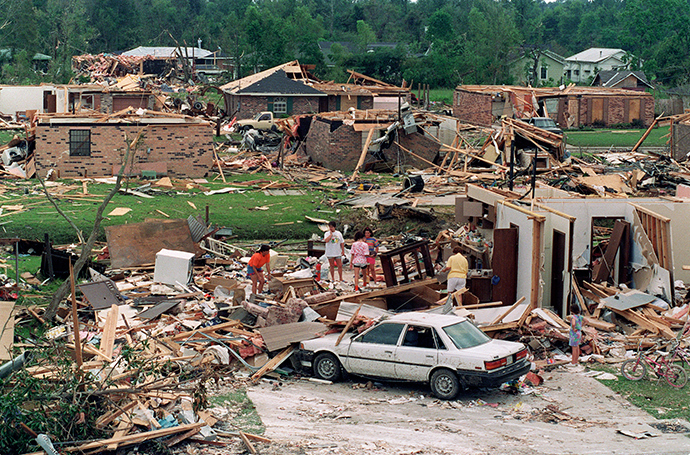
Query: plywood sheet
{"points": [[133, 245], [7, 333], [280, 336]]}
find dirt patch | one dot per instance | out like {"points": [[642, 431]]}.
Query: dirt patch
{"points": [[570, 413]]}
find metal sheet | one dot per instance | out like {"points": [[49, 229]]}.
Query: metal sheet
{"points": [[632, 299], [101, 294], [158, 309]]}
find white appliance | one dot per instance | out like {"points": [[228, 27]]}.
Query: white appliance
{"points": [[173, 267]]}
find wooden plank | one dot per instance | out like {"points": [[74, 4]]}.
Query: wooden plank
{"points": [[132, 245], [508, 311], [247, 442], [75, 318], [136, 438], [108, 334], [363, 156], [348, 325], [105, 419], [7, 332], [283, 335], [578, 295], [273, 363]]}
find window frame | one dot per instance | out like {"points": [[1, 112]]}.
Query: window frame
{"points": [[280, 101], [80, 142]]}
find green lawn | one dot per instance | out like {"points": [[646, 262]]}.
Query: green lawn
{"points": [[616, 138], [251, 214], [651, 395], [444, 95]]}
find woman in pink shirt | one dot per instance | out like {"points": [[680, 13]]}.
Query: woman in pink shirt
{"points": [[359, 253]]}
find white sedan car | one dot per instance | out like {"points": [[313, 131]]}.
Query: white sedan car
{"points": [[447, 351]]}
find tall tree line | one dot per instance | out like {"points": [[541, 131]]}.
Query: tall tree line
{"points": [[439, 42]]}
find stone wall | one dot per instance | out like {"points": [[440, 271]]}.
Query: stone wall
{"points": [[185, 150]]}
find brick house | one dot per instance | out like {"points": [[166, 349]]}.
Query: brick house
{"points": [[289, 89], [629, 80], [335, 141], [280, 89], [77, 146], [570, 106]]}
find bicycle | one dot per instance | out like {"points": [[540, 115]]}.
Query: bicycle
{"points": [[636, 369]]}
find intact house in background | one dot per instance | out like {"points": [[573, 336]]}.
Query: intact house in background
{"points": [[159, 60], [584, 65], [95, 146], [289, 89], [18, 101], [549, 66], [626, 79], [570, 107], [542, 246]]}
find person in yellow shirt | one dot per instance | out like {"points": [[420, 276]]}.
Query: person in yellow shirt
{"points": [[457, 270]]}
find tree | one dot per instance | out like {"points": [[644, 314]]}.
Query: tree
{"points": [[440, 27], [365, 35]]}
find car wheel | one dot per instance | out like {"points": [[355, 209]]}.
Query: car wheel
{"points": [[326, 366], [445, 384]]}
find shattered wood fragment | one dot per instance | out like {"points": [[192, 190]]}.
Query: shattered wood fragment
{"points": [[273, 363], [136, 438]]}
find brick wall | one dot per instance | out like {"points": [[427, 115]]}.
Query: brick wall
{"points": [[472, 108], [186, 149], [250, 105], [418, 144], [337, 149]]}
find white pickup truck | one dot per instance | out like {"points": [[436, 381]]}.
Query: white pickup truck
{"points": [[260, 121]]}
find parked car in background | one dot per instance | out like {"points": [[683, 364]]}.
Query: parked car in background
{"points": [[446, 351], [545, 123]]}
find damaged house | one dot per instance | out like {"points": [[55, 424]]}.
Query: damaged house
{"points": [[21, 101], [289, 89], [552, 241], [94, 146], [570, 107]]}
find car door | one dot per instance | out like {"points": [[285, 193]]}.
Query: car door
{"points": [[417, 353], [373, 352]]}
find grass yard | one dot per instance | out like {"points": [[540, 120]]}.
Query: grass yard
{"points": [[251, 214], [653, 396], [616, 138], [444, 95]]}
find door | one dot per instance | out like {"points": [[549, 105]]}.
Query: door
{"points": [[417, 354], [373, 352], [597, 110], [49, 102], [505, 264], [557, 269]]}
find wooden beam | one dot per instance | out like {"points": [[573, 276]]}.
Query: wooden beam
{"points": [[508, 311], [363, 156], [349, 324], [273, 363], [75, 318]]}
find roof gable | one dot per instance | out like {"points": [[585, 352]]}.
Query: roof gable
{"points": [[278, 83], [595, 55]]}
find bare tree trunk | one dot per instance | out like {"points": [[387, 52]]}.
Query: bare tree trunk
{"points": [[87, 247]]}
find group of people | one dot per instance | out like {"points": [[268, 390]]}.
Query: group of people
{"points": [[363, 260], [363, 254]]}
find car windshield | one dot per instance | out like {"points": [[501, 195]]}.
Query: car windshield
{"points": [[544, 123], [465, 335], [256, 117]]}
